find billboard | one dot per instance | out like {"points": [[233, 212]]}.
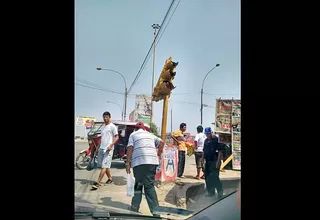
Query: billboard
{"points": [[236, 135], [143, 108], [85, 121], [144, 119], [228, 126]]}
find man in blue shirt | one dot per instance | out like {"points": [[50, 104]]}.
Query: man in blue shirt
{"points": [[213, 163]]}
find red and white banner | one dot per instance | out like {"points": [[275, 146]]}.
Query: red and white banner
{"points": [[168, 164]]}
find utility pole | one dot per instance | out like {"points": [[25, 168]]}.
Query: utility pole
{"points": [[171, 120], [155, 27], [201, 105], [125, 103]]}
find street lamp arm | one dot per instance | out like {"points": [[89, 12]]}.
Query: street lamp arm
{"points": [[125, 83], [116, 104], [208, 74], [202, 105], [119, 107]]}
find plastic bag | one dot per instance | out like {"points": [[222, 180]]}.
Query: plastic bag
{"points": [[130, 185]]}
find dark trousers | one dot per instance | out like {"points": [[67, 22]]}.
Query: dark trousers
{"points": [[212, 178], [144, 178], [181, 162]]}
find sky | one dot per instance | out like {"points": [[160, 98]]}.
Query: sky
{"points": [[117, 34]]}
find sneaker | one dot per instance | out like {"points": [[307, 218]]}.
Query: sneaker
{"points": [[130, 208], [109, 181], [95, 185]]}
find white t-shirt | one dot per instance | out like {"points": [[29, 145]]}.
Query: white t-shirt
{"points": [[108, 133], [145, 146], [200, 137]]}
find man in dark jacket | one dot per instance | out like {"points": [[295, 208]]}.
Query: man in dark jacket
{"points": [[213, 163]]}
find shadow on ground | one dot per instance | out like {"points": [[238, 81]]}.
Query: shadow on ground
{"points": [[117, 180], [118, 164], [170, 197], [84, 181], [107, 201]]}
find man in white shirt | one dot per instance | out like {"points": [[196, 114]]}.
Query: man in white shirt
{"points": [[143, 157], [198, 151], [109, 136]]}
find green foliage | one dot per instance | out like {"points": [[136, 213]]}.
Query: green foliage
{"points": [[154, 129]]}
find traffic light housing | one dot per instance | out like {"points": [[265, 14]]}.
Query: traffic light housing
{"points": [[165, 82]]}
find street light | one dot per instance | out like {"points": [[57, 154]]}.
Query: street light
{"points": [[155, 27], [119, 107], [125, 90], [201, 107]]}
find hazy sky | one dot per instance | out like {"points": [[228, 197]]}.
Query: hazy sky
{"points": [[117, 34]]}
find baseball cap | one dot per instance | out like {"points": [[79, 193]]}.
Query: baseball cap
{"points": [[207, 130], [140, 125]]}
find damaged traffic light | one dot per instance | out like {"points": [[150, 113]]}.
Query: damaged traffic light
{"points": [[164, 85]]}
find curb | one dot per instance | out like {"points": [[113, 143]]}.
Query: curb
{"points": [[182, 191], [78, 140]]}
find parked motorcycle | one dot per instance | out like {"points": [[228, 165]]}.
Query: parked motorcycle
{"points": [[85, 156]]}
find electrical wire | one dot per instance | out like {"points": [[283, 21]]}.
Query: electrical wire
{"points": [[148, 54]]}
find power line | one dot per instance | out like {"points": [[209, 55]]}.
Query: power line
{"points": [[104, 90], [98, 86], [147, 56], [221, 94], [89, 83], [190, 103], [168, 21]]}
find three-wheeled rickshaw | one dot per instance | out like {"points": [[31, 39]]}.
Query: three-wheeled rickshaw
{"points": [[125, 128]]}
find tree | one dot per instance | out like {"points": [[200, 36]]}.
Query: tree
{"points": [[154, 129]]}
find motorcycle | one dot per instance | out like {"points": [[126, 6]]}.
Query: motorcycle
{"points": [[85, 156]]}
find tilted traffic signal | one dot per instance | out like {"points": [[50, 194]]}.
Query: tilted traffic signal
{"points": [[164, 85]]}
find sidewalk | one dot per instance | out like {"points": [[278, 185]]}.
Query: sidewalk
{"points": [[189, 187]]}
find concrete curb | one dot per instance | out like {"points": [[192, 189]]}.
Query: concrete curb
{"points": [[79, 140], [182, 191]]}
